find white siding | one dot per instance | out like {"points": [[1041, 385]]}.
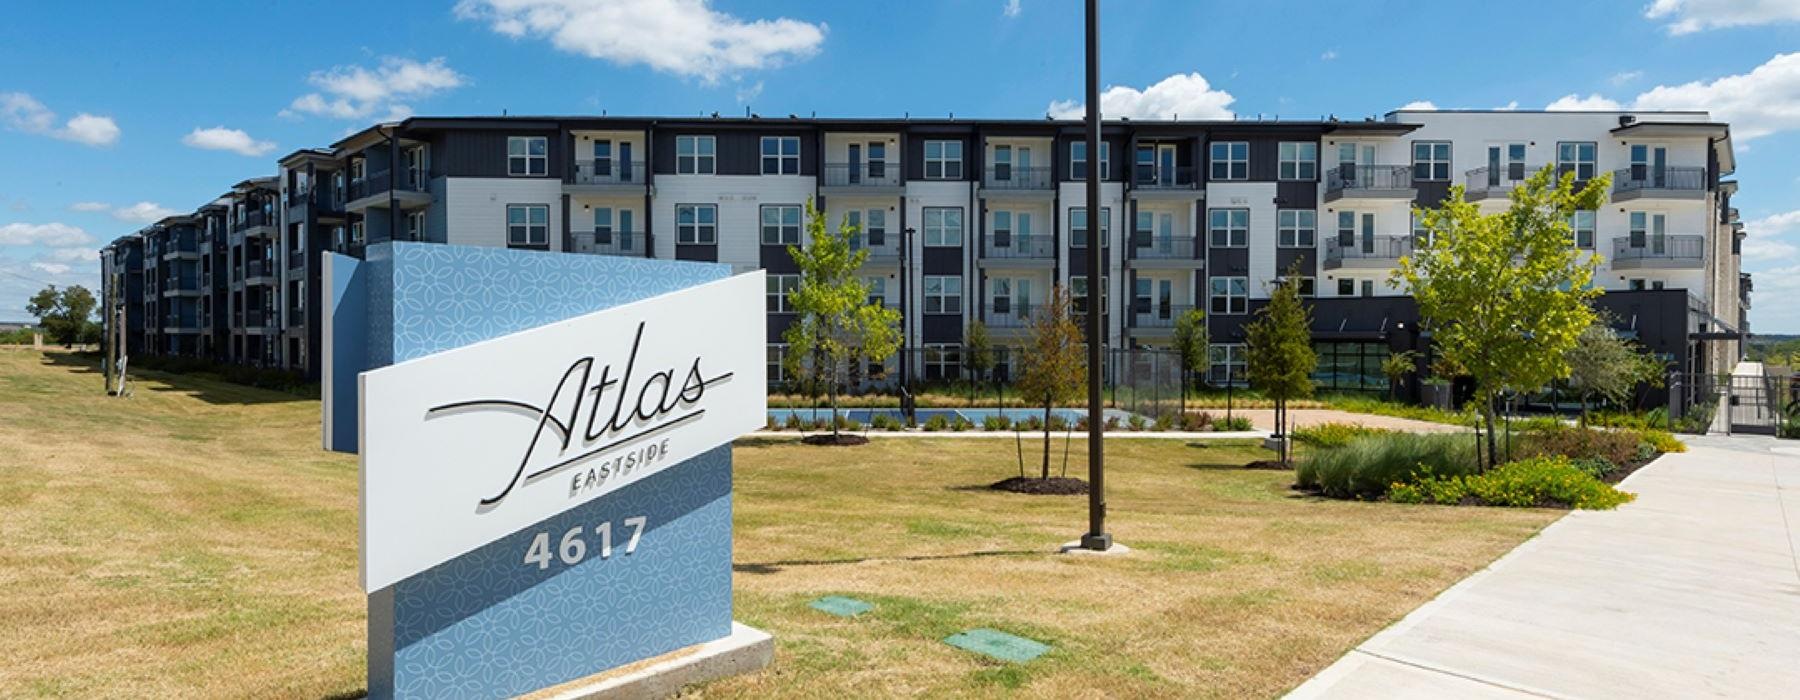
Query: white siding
{"points": [[475, 208]]}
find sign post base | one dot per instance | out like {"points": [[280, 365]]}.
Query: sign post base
{"points": [[745, 650]]}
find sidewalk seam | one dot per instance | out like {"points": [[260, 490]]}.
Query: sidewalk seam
{"points": [[1454, 674]]}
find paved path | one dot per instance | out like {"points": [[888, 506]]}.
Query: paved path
{"points": [[1693, 590], [1264, 419]]}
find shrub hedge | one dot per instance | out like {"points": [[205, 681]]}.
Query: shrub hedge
{"points": [[1367, 466], [1554, 482]]}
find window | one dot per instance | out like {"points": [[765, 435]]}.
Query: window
{"points": [[943, 294], [1231, 160], [1421, 236], [1368, 288], [942, 360], [1078, 227], [1346, 287], [1636, 284], [357, 233], [943, 160], [1431, 160], [1078, 160], [415, 226], [877, 290], [1576, 156], [1350, 366], [781, 225], [1299, 160], [781, 155], [779, 289], [1308, 286], [1230, 295], [943, 227], [603, 158], [697, 224], [1228, 228], [695, 155], [1229, 363], [874, 230], [777, 370], [526, 155], [528, 225], [1078, 292], [337, 238], [1296, 228], [1581, 224]]}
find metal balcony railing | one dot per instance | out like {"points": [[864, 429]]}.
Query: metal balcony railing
{"points": [[1491, 182], [254, 219], [1003, 244], [258, 268], [1154, 313], [254, 318], [880, 244], [379, 181], [1150, 177], [628, 243], [1666, 248], [609, 172], [1145, 246], [1670, 178], [1372, 248], [1010, 313], [877, 173], [1011, 177], [296, 259], [1368, 177], [296, 317]]}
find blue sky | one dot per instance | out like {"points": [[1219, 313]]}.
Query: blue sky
{"points": [[112, 114]]}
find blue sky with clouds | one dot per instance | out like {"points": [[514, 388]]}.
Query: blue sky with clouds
{"points": [[114, 114]]}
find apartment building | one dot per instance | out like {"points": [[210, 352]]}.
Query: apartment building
{"points": [[970, 220]]}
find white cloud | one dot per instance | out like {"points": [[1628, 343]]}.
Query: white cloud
{"points": [[1576, 103], [22, 112], [1758, 103], [1759, 249], [747, 93], [1763, 242], [1624, 77], [142, 213], [72, 254], [52, 234], [219, 138], [90, 206], [1688, 16], [52, 268], [1420, 105], [1509, 106], [1012, 8], [1187, 96], [1329, 55], [683, 37], [355, 92]]}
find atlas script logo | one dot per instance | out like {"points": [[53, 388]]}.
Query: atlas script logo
{"points": [[572, 417]]}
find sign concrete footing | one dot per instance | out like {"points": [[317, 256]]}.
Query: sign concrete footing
{"points": [[1075, 548], [745, 650]]}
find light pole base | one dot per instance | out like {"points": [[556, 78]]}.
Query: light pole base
{"points": [[1090, 544]]}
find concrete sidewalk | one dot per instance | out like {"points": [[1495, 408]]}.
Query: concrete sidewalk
{"points": [[1692, 590]]}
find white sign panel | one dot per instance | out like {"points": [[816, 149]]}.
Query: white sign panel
{"points": [[466, 446]]}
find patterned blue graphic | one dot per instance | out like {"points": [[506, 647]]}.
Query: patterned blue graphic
{"points": [[489, 624]]}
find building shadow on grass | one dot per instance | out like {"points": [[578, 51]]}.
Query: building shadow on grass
{"points": [[205, 386], [346, 695], [77, 362], [777, 566]]}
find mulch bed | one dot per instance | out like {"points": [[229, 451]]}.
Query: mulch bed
{"points": [[1053, 486], [840, 440], [1617, 475]]}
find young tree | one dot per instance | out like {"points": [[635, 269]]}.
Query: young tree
{"points": [[1604, 365], [836, 328], [978, 356], [1281, 357], [1505, 294], [1055, 362], [66, 315], [1396, 367], [1190, 347]]}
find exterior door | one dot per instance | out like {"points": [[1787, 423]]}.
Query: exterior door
{"points": [[625, 233], [1368, 233], [855, 163], [1024, 160], [625, 174], [1165, 164], [1003, 163]]}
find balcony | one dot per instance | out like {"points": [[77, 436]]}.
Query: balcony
{"points": [[1016, 250], [1033, 181], [884, 248], [408, 189], [874, 177], [1646, 182], [625, 243], [256, 223], [1369, 182], [183, 285], [1010, 314], [1149, 251], [1369, 253], [296, 317], [1151, 182], [296, 259], [1649, 252], [181, 323], [1156, 314], [1489, 183], [259, 320], [607, 176], [259, 272], [183, 247]]}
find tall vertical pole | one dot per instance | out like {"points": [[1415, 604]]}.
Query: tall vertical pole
{"points": [[1097, 538]]}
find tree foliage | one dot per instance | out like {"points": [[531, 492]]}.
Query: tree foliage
{"points": [[1506, 295], [836, 328], [1397, 366], [1054, 367], [1190, 343], [66, 315], [1280, 352], [977, 355], [1604, 365]]}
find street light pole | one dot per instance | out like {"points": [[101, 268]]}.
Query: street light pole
{"points": [[1097, 538]]}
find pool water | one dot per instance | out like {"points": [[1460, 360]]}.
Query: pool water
{"points": [[973, 415]]}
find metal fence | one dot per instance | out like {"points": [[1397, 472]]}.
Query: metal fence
{"points": [[1760, 404]]}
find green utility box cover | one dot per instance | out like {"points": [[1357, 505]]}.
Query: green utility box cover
{"points": [[841, 606], [999, 645]]}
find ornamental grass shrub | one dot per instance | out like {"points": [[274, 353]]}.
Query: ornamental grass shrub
{"points": [[1367, 466], [996, 422], [1542, 482], [1326, 435], [1615, 446], [1233, 424]]}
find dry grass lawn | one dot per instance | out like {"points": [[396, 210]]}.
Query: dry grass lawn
{"points": [[193, 540]]}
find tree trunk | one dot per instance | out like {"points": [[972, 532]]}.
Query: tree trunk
{"points": [[832, 391], [1493, 445], [1046, 440], [1584, 410]]}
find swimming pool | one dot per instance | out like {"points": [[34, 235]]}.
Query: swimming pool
{"points": [[973, 415]]}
